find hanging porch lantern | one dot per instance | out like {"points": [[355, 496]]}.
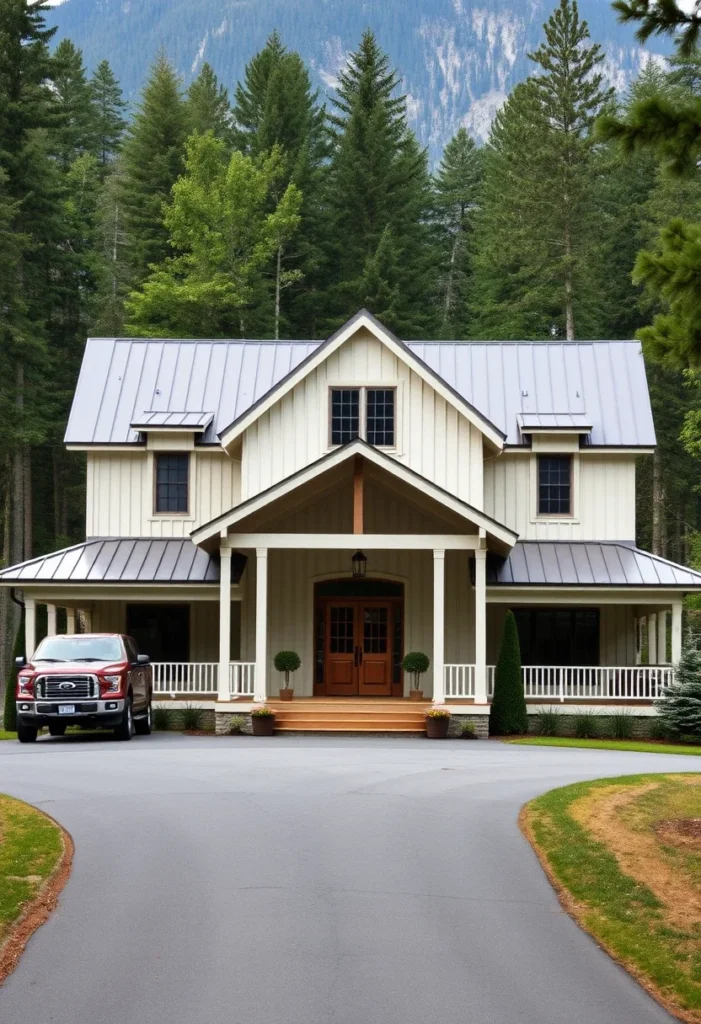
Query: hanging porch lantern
{"points": [[360, 563]]}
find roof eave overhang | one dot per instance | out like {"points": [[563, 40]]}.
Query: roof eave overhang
{"points": [[218, 527], [492, 433]]}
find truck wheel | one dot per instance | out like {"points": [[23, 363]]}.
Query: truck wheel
{"points": [[144, 725], [57, 729], [125, 729], [26, 733]]}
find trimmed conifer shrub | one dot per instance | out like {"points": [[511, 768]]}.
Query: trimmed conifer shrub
{"points": [[679, 710], [9, 718], [508, 715]]}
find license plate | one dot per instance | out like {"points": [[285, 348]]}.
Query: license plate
{"points": [[66, 709]]}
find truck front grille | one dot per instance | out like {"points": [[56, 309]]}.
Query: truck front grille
{"points": [[67, 687]]}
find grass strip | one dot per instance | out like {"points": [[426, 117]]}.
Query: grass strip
{"points": [[640, 745], [7, 735], [623, 913], [35, 857]]}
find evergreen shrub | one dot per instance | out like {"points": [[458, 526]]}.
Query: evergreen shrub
{"points": [[508, 715], [679, 709]]}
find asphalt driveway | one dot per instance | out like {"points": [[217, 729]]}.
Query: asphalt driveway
{"points": [[309, 881]]}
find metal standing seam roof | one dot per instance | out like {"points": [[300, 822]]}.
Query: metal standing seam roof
{"points": [[530, 421], [164, 420], [530, 564], [122, 377], [587, 564], [123, 560]]}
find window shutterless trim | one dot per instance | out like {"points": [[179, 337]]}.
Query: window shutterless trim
{"points": [[555, 456], [363, 405], [166, 513]]}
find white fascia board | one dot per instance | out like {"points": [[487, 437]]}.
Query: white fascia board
{"points": [[328, 348], [221, 524]]}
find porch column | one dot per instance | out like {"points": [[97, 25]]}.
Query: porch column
{"points": [[51, 620], [70, 620], [260, 683], [662, 637], [30, 627], [676, 632], [87, 620], [652, 638], [223, 690], [438, 626], [481, 626]]}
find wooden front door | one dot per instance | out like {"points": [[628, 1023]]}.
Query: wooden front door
{"points": [[358, 648]]}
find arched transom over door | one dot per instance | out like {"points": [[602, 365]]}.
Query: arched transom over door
{"points": [[359, 638]]}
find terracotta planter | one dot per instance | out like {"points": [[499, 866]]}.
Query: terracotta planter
{"points": [[263, 725], [437, 728], [286, 693], [416, 694]]}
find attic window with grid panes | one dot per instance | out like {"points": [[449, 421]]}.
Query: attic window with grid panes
{"points": [[368, 413]]}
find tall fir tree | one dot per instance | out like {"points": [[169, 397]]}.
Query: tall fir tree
{"points": [[540, 188], [457, 187], [152, 160], [78, 130], [277, 107], [208, 107], [378, 180], [109, 108]]}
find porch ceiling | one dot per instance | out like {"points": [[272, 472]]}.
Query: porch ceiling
{"points": [[435, 510]]}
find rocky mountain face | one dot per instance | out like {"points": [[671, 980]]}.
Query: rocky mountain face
{"points": [[458, 58]]}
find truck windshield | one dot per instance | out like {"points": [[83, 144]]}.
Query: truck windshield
{"points": [[79, 648]]}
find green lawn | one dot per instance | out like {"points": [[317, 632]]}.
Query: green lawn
{"points": [[31, 850], [640, 745], [620, 853], [7, 735]]}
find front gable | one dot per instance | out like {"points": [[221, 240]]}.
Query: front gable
{"points": [[437, 434]]}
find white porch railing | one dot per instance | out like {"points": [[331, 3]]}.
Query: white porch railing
{"points": [[177, 678], [242, 678], [636, 682], [181, 678]]}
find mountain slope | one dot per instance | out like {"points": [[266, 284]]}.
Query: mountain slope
{"points": [[458, 60]]}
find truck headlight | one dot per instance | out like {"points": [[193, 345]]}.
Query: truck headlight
{"points": [[113, 683]]}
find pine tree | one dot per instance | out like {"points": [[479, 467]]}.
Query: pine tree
{"points": [[540, 186], [680, 707], [109, 108], [378, 179], [78, 131], [276, 107], [508, 715], [153, 159], [28, 113], [457, 189], [221, 224], [208, 108]]}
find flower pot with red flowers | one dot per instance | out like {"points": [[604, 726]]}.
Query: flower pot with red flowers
{"points": [[437, 722], [263, 721], [287, 661], [415, 664]]}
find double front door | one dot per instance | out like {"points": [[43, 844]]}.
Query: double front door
{"points": [[359, 647]]}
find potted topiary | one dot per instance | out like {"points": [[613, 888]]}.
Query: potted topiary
{"points": [[287, 661], [415, 664], [263, 721], [437, 722]]}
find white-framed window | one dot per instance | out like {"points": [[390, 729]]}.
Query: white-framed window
{"points": [[366, 412], [172, 483]]}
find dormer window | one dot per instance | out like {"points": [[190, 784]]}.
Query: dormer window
{"points": [[368, 413], [555, 485]]}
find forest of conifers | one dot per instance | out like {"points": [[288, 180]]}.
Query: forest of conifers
{"points": [[278, 212]]}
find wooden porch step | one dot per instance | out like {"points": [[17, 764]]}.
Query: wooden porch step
{"points": [[350, 715]]}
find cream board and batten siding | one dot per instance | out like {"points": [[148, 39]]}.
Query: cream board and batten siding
{"points": [[111, 617], [603, 493], [120, 493], [433, 438]]}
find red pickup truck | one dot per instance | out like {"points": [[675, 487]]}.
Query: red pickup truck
{"points": [[88, 679]]}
